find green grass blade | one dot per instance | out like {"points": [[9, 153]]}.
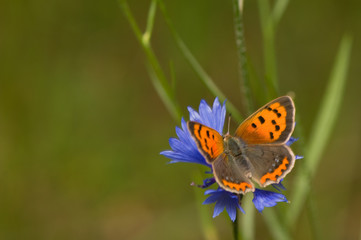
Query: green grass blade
{"points": [[204, 77], [172, 108], [156, 73], [243, 63], [150, 21], [269, 51], [278, 10], [322, 129]]}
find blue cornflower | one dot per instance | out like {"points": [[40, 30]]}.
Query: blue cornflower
{"points": [[184, 149]]}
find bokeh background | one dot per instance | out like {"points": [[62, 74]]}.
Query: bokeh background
{"points": [[81, 126]]}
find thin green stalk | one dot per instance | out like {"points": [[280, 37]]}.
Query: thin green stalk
{"points": [[235, 227], [171, 107], [278, 10], [157, 75], [248, 219], [150, 21], [257, 85], [243, 63], [204, 77], [269, 52], [277, 229], [322, 129]]}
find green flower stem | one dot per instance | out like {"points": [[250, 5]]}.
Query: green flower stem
{"points": [[243, 63], [204, 77], [157, 75], [322, 129], [248, 219], [277, 229], [235, 227], [269, 52]]}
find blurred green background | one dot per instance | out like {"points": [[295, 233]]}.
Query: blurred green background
{"points": [[81, 126]]}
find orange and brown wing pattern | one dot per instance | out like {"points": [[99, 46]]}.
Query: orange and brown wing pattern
{"points": [[272, 123], [209, 141], [233, 173], [270, 163]]}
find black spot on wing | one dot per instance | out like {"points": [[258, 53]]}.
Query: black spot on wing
{"points": [[261, 119], [253, 125], [206, 144], [276, 112], [199, 130], [271, 135]]}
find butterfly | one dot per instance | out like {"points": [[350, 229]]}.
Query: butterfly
{"points": [[257, 151]]}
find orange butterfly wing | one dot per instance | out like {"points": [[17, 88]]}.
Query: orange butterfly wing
{"points": [[209, 141], [272, 123]]}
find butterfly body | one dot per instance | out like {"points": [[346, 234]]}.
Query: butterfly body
{"points": [[233, 146], [257, 151]]}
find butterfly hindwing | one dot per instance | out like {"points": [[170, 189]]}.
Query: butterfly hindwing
{"points": [[233, 173], [272, 123], [209, 141], [270, 163]]}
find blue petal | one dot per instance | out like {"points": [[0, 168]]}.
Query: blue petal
{"points": [[231, 210], [219, 113], [184, 149], [223, 199], [211, 117], [206, 114], [263, 198], [279, 186], [291, 140], [240, 208], [193, 115], [219, 207], [211, 199], [208, 182]]}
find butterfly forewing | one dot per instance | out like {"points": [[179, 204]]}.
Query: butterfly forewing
{"points": [[209, 141], [272, 123]]}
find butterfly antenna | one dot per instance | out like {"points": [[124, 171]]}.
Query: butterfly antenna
{"points": [[229, 122]]}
